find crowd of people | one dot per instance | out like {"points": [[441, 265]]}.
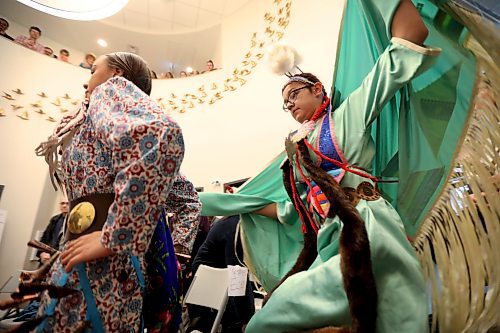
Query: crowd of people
{"points": [[31, 41], [191, 72]]}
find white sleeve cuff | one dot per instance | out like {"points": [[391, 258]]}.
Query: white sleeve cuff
{"points": [[430, 51]]}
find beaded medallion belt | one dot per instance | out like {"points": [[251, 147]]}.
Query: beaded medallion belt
{"points": [[88, 214], [365, 190]]}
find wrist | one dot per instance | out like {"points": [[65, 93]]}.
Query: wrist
{"points": [[180, 249]]}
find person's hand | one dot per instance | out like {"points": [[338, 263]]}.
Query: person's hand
{"points": [[82, 249], [44, 257], [178, 248]]}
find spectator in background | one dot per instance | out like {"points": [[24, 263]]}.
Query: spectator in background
{"points": [[31, 41], [210, 66], [201, 235], [153, 74], [64, 55], [88, 61], [49, 52], [4, 25], [53, 232], [193, 73], [183, 74], [167, 75]]}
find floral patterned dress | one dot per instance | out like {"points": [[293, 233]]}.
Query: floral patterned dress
{"points": [[128, 146]]}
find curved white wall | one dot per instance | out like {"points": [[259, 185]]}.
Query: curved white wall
{"points": [[231, 139], [243, 131], [26, 197]]}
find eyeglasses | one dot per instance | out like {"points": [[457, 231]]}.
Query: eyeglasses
{"points": [[64, 203], [292, 97]]}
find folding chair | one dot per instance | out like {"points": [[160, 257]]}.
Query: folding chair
{"points": [[7, 288], [209, 288]]}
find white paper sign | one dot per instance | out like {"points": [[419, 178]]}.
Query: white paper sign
{"points": [[237, 280]]}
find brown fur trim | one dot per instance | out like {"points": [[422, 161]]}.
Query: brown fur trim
{"points": [[11, 303], [41, 273], [36, 287], [355, 260], [41, 246], [309, 251]]}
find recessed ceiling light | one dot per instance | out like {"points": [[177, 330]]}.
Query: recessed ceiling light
{"points": [[102, 42], [87, 10]]}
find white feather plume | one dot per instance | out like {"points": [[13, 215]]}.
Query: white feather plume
{"points": [[282, 58]]}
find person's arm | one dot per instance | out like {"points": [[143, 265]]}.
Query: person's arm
{"points": [[211, 252], [48, 230], [47, 233], [46, 238], [20, 40], [269, 211], [402, 60], [408, 24], [183, 200], [40, 48]]}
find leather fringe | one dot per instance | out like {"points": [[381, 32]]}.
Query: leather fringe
{"points": [[459, 240]]}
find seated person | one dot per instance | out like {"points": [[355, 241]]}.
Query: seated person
{"points": [[51, 236], [167, 75], [218, 251], [64, 55], [88, 61], [53, 232], [49, 52], [210, 66], [31, 41], [4, 25]]}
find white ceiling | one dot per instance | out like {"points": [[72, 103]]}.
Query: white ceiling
{"points": [[166, 32], [173, 16]]}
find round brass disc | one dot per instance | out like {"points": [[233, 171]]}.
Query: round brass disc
{"points": [[81, 217]]}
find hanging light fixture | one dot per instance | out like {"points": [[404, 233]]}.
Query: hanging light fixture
{"points": [[87, 10]]}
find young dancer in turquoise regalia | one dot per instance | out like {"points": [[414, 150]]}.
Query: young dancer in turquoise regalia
{"points": [[339, 142]]}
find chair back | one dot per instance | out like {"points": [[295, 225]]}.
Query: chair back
{"points": [[209, 287], [12, 283]]}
